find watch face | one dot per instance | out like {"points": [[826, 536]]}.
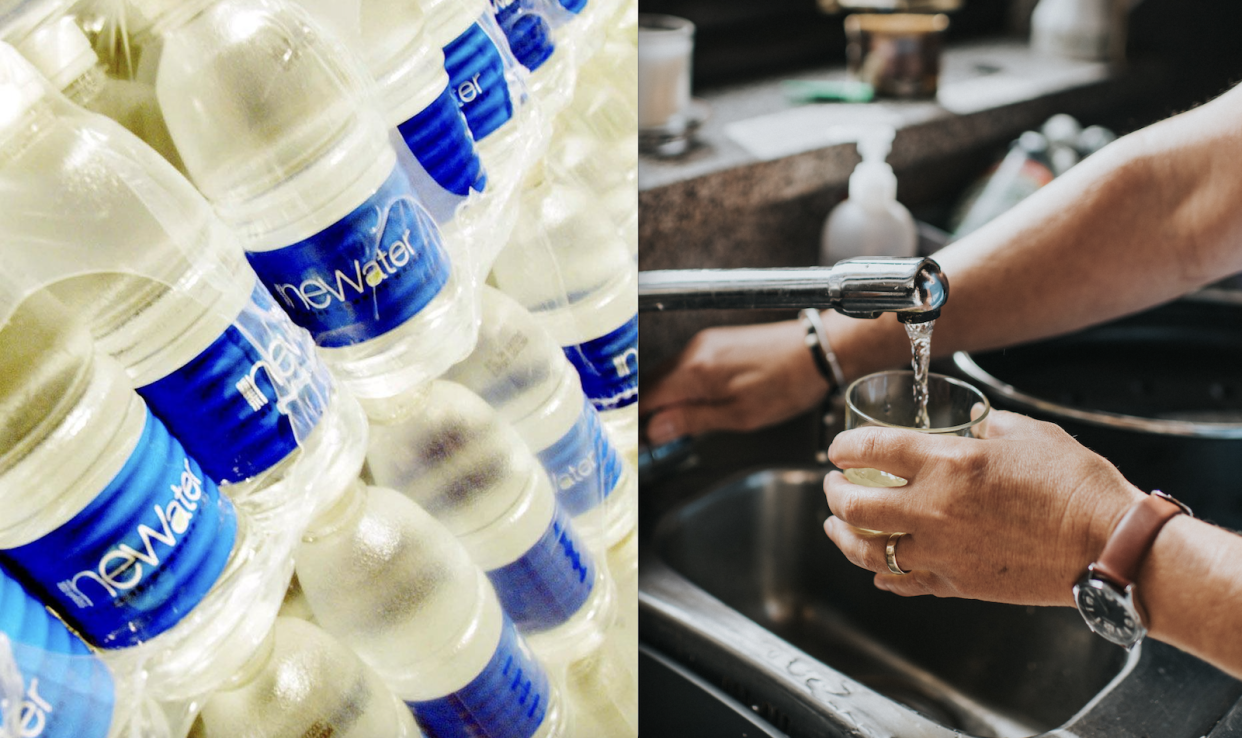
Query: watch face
{"points": [[1109, 611]]}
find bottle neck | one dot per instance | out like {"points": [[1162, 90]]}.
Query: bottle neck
{"points": [[397, 409], [254, 665], [85, 90], [341, 515]]}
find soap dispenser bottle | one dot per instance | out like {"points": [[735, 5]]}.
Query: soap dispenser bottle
{"points": [[870, 222]]}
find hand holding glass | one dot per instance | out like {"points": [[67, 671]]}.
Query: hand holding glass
{"points": [[887, 399]]}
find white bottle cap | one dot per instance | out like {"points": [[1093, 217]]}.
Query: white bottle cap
{"points": [[60, 50], [21, 86]]}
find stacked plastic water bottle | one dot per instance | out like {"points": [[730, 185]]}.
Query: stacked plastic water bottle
{"points": [[274, 459]]}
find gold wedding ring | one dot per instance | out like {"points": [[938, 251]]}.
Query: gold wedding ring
{"points": [[890, 553]]}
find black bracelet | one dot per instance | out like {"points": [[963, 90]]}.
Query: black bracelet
{"points": [[821, 350]]}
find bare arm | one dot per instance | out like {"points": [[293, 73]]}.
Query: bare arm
{"points": [[1148, 218], [1192, 588], [1017, 517]]}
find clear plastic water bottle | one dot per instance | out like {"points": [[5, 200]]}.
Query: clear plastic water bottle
{"points": [[489, 85], [446, 449], [424, 616], [12, 690], [111, 523], [553, 69], [302, 682], [595, 141], [414, 90], [566, 263], [164, 288], [64, 690], [275, 121], [414, 96], [521, 372], [55, 44], [581, 24]]}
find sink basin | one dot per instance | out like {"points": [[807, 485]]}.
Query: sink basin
{"points": [[991, 670], [739, 585]]}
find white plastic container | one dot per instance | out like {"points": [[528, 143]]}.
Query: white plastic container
{"points": [[870, 222], [274, 119]]}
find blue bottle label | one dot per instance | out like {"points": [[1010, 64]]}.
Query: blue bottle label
{"points": [[256, 393], [440, 140], [67, 690], [548, 584], [365, 274], [608, 367], [583, 464], [508, 699], [142, 554], [477, 77], [528, 32]]}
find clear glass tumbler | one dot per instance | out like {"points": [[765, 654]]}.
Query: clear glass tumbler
{"points": [[887, 399]]}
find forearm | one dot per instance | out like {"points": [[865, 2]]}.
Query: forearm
{"points": [[1190, 585], [1147, 219]]}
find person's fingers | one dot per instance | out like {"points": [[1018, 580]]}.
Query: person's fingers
{"points": [[674, 422], [866, 549], [894, 450], [672, 385], [694, 375], [917, 582], [875, 508]]}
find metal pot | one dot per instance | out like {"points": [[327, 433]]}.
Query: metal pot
{"points": [[1159, 394]]}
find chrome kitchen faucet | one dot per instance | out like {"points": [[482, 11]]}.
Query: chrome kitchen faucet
{"points": [[863, 287]]}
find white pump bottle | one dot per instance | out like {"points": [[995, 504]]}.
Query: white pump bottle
{"points": [[870, 222]]}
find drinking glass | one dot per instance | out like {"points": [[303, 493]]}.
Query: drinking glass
{"points": [[886, 399]]}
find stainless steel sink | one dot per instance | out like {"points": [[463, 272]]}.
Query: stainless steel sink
{"points": [[742, 584]]}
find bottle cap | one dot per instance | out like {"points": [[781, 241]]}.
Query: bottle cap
{"points": [[60, 50]]}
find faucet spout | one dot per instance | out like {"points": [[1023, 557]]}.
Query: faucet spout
{"points": [[864, 287]]}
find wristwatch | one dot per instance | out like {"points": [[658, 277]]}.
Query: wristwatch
{"points": [[1105, 594]]}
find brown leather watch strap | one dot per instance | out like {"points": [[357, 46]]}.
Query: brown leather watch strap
{"points": [[1120, 559]]}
